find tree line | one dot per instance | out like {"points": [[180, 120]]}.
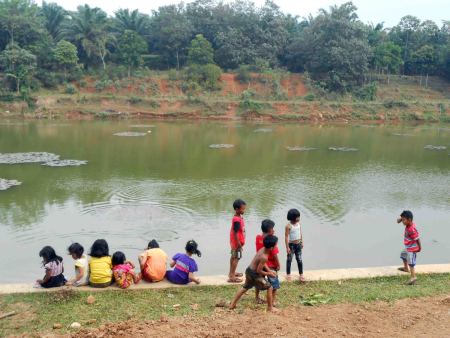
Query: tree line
{"points": [[48, 45]]}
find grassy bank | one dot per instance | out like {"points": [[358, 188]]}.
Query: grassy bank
{"points": [[38, 312]]}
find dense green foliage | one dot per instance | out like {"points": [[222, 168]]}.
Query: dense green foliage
{"points": [[334, 47]]}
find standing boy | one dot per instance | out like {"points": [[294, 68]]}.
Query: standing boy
{"points": [[273, 264], [412, 245], [237, 240], [255, 274]]}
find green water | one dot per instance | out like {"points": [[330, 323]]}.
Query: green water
{"points": [[170, 185]]}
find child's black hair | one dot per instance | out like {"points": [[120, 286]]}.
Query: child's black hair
{"points": [[153, 244], [238, 204], [118, 258], [293, 214], [270, 241], [192, 248], [407, 214], [48, 255], [76, 249], [99, 249], [266, 225]]}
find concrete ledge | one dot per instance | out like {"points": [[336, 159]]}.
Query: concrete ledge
{"points": [[221, 280]]}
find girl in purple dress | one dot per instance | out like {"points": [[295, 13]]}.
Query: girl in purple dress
{"points": [[184, 265]]}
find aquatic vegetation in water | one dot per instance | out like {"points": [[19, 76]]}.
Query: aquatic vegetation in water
{"points": [[263, 130], [6, 184], [221, 146], [64, 163], [300, 148], [344, 149], [431, 147], [32, 157], [131, 134], [401, 134]]}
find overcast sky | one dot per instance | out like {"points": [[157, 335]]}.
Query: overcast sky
{"points": [[389, 11]]}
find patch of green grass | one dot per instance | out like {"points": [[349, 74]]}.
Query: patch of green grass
{"points": [[38, 312]]}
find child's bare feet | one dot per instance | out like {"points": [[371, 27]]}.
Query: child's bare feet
{"points": [[238, 274], [137, 278], [234, 280], [302, 279], [403, 269], [232, 306], [273, 310], [288, 278]]}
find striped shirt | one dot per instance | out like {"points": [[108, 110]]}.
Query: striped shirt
{"points": [[411, 238]]}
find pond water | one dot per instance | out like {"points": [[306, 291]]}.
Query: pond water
{"points": [[177, 180]]}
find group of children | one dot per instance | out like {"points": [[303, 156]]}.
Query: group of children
{"points": [[262, 273], [102, 270]]}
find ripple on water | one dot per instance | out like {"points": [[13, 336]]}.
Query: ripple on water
{"points": [[64, 163], [142, 126], [263, 130], [221, 146], [342, 149], [432, 147], [131, 134], [300, 148]]}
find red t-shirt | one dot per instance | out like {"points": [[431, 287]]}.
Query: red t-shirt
{"points": [[240, 233], [271, 261], [411, 237]]}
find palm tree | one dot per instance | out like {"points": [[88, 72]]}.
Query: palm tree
{"points": [[54, 16], [88, 29], [133, 21]]}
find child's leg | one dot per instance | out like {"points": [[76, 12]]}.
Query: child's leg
{"points": [[270, 299], [274, 297], [298, 258], [236, 298], [404, 258], [289, 262], [258, 299]]}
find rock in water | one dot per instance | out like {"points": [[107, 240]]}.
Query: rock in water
{"points": [[300, 148], [344, 149], [221, 146], [64, 163], [6, 184], [431, 147], [32, 157], [263, 130], [130, 134]]}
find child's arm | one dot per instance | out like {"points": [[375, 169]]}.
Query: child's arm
{"points": [[78, 276], [419, 244], [399, 220], [277, 262], [130, 263], [236, 228], [194, 279], [301, 236], [261, 271], [172, 264], [286, 239], [142, 260], [48, 275]]}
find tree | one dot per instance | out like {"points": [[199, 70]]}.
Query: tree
{"points": [[18, 64], [132, 21], [201, 51], [424, 61], [66, 55], [54, 17], [88, 30], [334, 48], [131, 46], [387, 56]]}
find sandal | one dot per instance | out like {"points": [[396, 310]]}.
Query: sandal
{"points": [[238, 274], [234, 280], [402, 270]]}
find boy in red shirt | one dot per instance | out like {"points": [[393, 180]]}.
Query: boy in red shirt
{"points": [[273, 264], [412, 245], [237, 240]]}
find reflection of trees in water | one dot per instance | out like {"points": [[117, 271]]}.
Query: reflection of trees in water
{"points": [[174, 165]]}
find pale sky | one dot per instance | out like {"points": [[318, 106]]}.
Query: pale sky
{"points": [[389, 11]]}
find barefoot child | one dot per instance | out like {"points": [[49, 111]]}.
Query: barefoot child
{"points": [[81, 265], [237, 240], [293, 238], [153, 263], [412, 245], [255, 274], [53, 269], [273, 264], [184, 265], [123, 271]]}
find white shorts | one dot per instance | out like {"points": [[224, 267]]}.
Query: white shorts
{"points": [[409, 257]]}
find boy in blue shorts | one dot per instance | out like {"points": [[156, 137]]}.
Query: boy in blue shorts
{"points": [[412, 244], [273, 264]]}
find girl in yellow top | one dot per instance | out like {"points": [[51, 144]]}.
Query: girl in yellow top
{"points": [[100, 265]]}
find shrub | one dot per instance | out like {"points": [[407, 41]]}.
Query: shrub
{"points": [[173, 75], [395, 104], [70, 89], [366, 93], [309, 97], [247, 103], [82, 83], [243, 74], [134, 100], [207, 76]]}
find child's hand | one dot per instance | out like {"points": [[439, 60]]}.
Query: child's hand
{"points": [[301, 244], [272, 274], [39, 281], [197, 281], [69, 283], [288, 250], [399, 220]]}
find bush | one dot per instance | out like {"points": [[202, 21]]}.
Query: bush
{"points": [[173, 75], [117, 72], [244, 74], [49, 79], [134, 100], [82, 83], [207, 76], [395, 104], [70, 89], [247, 103], [102, 84], [309, 97], [366, 93]]}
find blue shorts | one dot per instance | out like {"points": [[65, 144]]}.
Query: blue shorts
{"points": [[409, 257], [274, 281]]}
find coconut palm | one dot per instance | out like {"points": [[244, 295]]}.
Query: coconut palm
{"points": [[54, 16], [133, 21]]}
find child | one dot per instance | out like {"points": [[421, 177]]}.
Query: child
{"points": [[237, 240], [273, 264], [255, 274], [81, 265], [100, 265], [184, 266], [153, 263], [123, 272], [53, 269], [412, 245], [293, 238]]}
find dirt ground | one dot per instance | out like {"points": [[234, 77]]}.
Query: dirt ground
{"points": [[422, 317]]}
